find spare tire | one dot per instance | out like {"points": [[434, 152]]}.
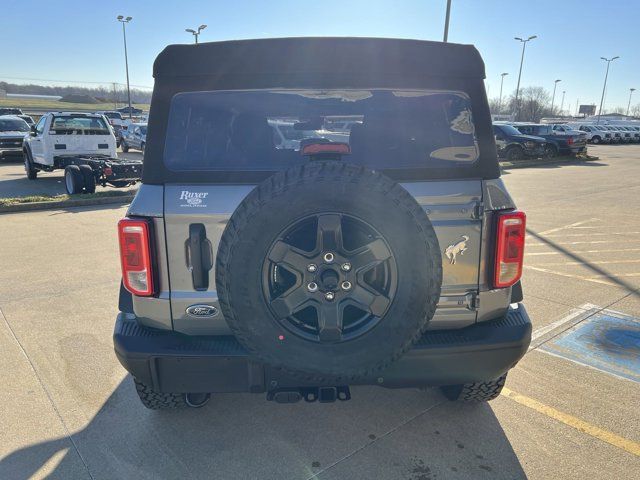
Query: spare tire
{"points": [[329, 270]]}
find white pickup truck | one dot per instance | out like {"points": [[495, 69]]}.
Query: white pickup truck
{"points": [[84, 146]]}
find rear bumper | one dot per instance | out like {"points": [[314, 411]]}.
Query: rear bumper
{"points": [[173, 362]]}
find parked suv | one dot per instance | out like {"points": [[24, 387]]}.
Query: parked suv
{"points": [[558, 143], [389, 258], [596, 134], [513, 145], [135, 136], [13, 129]]}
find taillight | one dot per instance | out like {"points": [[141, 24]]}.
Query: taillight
{"points": [[570, 141], [510, 234], [135, 256]]}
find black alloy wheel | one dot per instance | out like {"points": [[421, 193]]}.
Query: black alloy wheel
{"points": [[329, 277]]}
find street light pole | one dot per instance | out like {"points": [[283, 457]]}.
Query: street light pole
{"points": [[631, 90], [562, 103], [604, 88], [123, 20], [500, 98], [555, 84], [194, 32], [446, 22], [524, 44]]}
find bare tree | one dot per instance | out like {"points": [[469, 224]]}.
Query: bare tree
{"points": [[494, 106], [534, 104]]}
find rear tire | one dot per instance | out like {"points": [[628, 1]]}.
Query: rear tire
{"points": [[550, 151], [475, 392], [89, 178], [169, 401], [158, 400], [73, 180], [596, 140], [514, 153], [32, 173]]}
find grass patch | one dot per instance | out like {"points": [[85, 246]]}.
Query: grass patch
{"points": [[61, 198], [55, 105]]}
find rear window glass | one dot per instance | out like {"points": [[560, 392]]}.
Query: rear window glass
{"points": [[265, 130], [76, 125]]}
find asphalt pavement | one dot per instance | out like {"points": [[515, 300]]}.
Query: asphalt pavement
{"points": [[68, 410]]}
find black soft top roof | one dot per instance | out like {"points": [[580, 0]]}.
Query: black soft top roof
{"points": [[322, 55]]}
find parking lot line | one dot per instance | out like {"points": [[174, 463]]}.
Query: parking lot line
{"points": [[589, 234], [581, 242], [586, 251], [615, 275], [574, 422], [582, 309], [570, 275], [572, 225], [599, 262]]}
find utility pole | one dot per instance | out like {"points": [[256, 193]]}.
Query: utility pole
{"points": [[631, 90], [446, 22], [502, 75], [562, 103], [194, 32], [555, 84], [604, 88], [524, 44], [124, 21]]}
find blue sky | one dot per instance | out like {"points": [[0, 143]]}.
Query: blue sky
{"points": [[82, 41]]}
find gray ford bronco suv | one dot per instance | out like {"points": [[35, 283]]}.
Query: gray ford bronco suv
{"points": [[318, 213]]}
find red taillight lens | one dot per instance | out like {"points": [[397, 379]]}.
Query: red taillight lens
{"points": [[135, 256], [570, 141], [510, 234], [317, 148]]}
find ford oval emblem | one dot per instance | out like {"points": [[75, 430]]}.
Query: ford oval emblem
{"points": [[202, 311]]}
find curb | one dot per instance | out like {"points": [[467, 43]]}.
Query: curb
{"points": [[34, 206], [537, 163]]}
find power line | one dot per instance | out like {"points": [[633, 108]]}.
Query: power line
{"points": [[71, 81]]}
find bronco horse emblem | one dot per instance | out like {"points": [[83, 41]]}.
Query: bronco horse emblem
{"points": [[456, 248]]}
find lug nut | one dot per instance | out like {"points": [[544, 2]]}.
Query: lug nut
{"points": [[346, 267], [328, 257], [345, 285], [329, 296], [312, 267], [312, 287]]}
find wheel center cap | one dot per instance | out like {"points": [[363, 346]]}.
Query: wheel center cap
{"points": [[329, 279]]}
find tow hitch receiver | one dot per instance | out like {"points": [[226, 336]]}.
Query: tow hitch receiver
{"points": [[310, 394]]}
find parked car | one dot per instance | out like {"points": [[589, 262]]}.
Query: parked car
{"points": [[618, 136], [565, 128], [115, 120], [12, 132], [633, 133], [595, 133], [388, 259], [28, 119], [557, 143], [10, 111], [513, 145], [84, 146], [135, 136]]}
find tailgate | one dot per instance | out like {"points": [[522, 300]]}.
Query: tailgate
{"points": [[453, 206]]}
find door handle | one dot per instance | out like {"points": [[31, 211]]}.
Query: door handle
{"points": [[199, 256]]}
